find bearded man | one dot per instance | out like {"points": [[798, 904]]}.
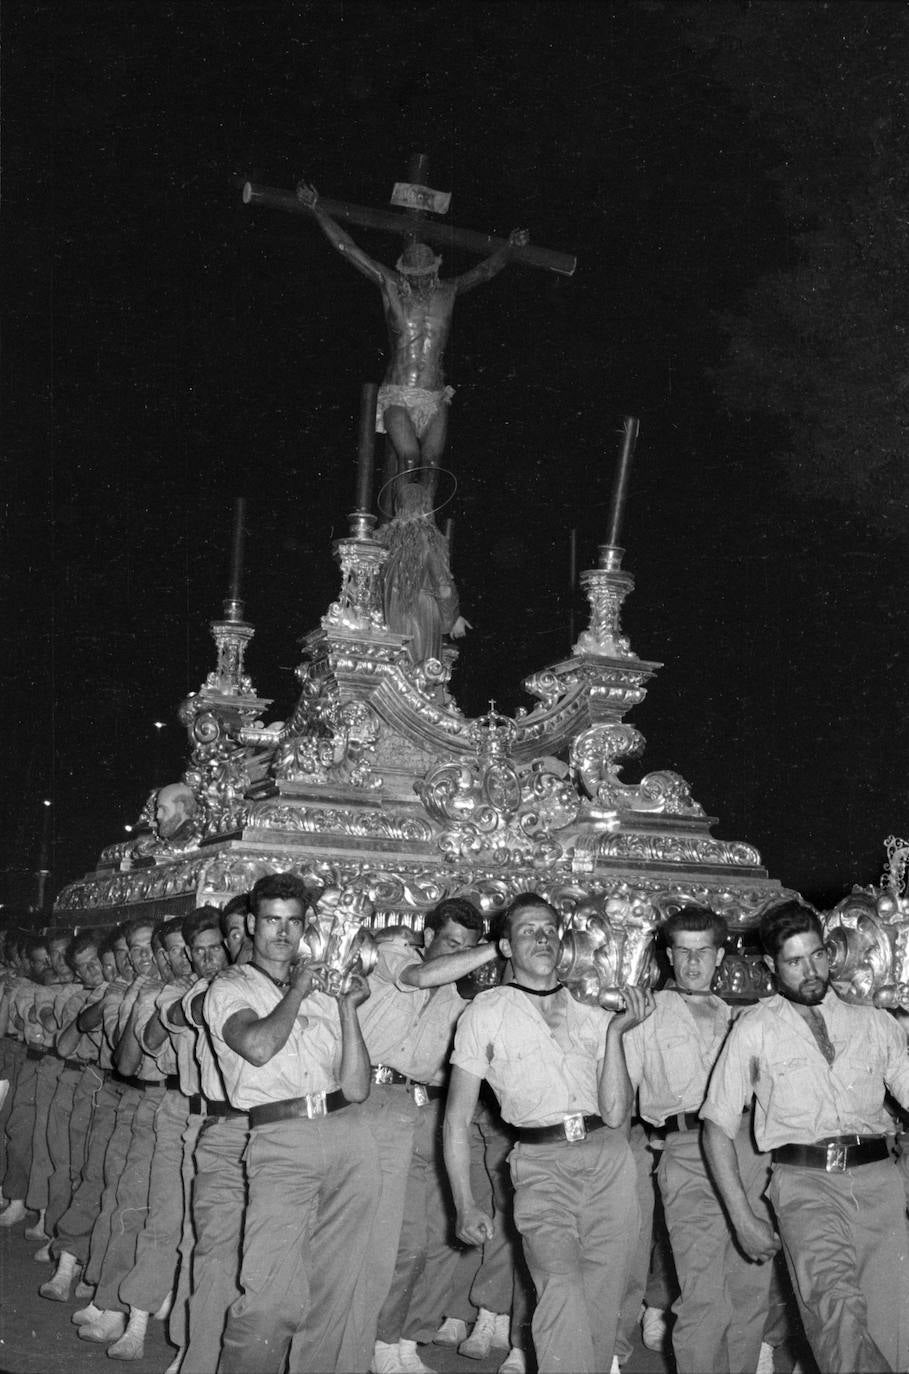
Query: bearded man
{"points": [[818, 1069]]}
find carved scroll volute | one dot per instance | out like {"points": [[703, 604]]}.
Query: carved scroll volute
{"points": [[595, 752]]}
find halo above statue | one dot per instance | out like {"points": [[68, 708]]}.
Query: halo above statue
{"points": [[386, 507]]}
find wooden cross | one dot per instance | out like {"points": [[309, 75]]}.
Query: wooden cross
{"points": [[413, 223]]}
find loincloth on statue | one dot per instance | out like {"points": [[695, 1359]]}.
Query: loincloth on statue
{"points": [[421, 405]]}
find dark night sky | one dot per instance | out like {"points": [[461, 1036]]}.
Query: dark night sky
{"points": [[169, 348]]}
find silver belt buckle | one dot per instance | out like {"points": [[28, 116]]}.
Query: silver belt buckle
{"points": [[420, 1095], [574, 1127], [836, 1157], [382, 1074], [315, 1105]]}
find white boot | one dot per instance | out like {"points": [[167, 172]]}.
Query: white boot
{"points": [[765, 1359], [37, 1231], [175, 1363], [163, 1311], [452, 1331], [386, 1358], [480, 1341], [15, 1212], [131, 1345], [85, 1315], [43, 1256], [653, 1328], [109, 1326], [501, 1336], [513, 1363], [410, 1361], [57, 1288]]}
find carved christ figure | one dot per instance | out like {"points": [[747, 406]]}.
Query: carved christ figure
{"points": [[413, 399]]}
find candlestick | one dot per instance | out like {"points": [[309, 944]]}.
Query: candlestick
{"points": [[236, 549], [366, 443], [449, 537], [631, 427]]}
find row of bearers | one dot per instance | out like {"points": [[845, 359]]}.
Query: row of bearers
{"points": [[325, 1149]]}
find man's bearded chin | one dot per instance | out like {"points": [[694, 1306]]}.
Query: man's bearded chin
{"points": [[809, 993]]}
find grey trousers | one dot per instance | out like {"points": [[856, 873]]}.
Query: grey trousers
{"points": [[313, 1192]]}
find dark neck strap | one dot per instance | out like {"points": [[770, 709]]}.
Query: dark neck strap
{"points": [[282, 984], [536, 992]]}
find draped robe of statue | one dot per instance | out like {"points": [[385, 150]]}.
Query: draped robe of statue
{"points": [[420, 596]]}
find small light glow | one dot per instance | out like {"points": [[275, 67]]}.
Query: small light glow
{"points": [[47, 803], [128, 828], [159, 724]]}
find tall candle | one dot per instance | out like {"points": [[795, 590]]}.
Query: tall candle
{"points": [[366, 444], [620, 486], [236, 549]]}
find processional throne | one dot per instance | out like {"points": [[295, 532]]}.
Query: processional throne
{"points": [[378, 783]]}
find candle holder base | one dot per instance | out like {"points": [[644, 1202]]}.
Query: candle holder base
{"points": [[362, 524]]}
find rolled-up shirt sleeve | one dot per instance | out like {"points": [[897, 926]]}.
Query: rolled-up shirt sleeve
{"points": [[730, 1088], [469, 1047]]}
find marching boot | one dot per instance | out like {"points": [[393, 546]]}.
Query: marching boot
{"points": [[37, 1232], [15, 1212], [410, 1362], [452, 1331], [482, 1337], [108, 1326], [85, 1315], [163, 1311], [67, 1271], [131, 1345], [43, 1256]]}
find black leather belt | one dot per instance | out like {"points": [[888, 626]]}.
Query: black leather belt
{"points": [[200, 1106], [172, 1082], [569, 1130], [223, 1109], [687, 1121], [79, 1064], [32, 1053], [384, 1075], [308, 1107], [124, 1080], [836, 1155], [682, 1121]]}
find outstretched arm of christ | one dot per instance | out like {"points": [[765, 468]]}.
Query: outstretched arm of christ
{"points": [[339, 239], [491, 266]]}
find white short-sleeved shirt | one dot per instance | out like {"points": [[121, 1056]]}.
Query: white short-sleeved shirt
{"points": [[669, 1061], [800, 1098], [538, 1079], [182, 1038], [408, 1028], [307, 1063], [210, 1079]]}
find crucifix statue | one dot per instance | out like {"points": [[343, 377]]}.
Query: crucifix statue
{"points": [[413, 399]]}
